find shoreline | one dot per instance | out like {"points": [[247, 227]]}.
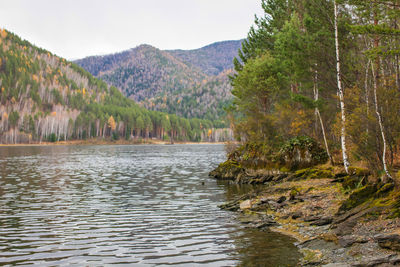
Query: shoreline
{"points": [[334, 225], [109, 142]]}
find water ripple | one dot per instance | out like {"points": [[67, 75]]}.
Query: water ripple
{"points": [[118, 205]]}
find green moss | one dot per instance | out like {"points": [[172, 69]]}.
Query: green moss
{"points": [[227, 170], [313, 173], [358, 197], [384, 190], [359, 171], [353, 182], [294, 192], [284, 169]]}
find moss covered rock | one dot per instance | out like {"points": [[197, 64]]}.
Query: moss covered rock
{"points": [[301, 152], [359, 196], [312, 173], [228, 170]]}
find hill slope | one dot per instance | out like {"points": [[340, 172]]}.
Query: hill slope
{"points": [[44, 97], [192, 83], [211, 59]]}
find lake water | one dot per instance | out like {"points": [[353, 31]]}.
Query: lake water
{"points": [[150, 205]]}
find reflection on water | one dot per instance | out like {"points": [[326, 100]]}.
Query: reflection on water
{"points": [[136, 205]]}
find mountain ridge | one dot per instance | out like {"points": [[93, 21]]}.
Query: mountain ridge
{"points": [[188, 83], [47, 98]]}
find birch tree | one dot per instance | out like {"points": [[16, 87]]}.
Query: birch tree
{"points": [[340, 92]]}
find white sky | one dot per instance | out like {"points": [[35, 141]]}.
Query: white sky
{"points": [[78, 28]]}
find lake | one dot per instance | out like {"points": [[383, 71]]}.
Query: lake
{"points": [[143, 205]]}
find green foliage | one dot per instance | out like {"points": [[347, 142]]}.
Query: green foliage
{"points": [[52, 138], [168, 81], [303, 144], [13, 118], [75, 96]]}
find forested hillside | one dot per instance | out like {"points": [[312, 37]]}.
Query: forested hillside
{"points": [[46, 98], [192, 83], [324, 69], [211, 59]]}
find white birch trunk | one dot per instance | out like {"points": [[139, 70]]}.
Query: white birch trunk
{"points": [[378, 115], [340, 93]]}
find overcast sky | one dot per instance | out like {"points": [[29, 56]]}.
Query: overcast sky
{"points": [[78, 28]]}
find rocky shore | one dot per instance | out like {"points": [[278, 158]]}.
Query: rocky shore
{"points": [[339, 219]]}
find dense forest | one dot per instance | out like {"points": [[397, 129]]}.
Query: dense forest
{"points": [[188, 83], [212, 59], [46, 98], [324, 69]]}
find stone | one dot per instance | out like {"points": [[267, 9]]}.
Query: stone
{"points": [[245, 204], [375, 261], [336, 265], [389, 241], [281, 199], [349, 240], [296, 215], [311, 218], [322, 221]]}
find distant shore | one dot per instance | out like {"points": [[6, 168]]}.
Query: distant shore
{"points": [[109, 142]]}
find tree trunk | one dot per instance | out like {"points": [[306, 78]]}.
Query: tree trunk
{"points": [[375, 75], [318, 115], [340, 93], [378, 115]]}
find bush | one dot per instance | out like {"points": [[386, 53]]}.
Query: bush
{"points": [[52, 138]]}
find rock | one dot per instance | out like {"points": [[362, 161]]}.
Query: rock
{"points": [[281, 199], [348, 241], [265, 224], [296, 215], [322, 221], [389, 241], [340, 264], [228, 170], [311, 218], [344, 224], [375, 261], [231, 206], [245, 204]]}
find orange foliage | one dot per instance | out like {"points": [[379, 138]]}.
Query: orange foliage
{"points": [[35, 78], [3, 33], [111, 123], [54, 114]]}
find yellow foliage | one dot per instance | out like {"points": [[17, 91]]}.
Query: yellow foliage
{"points": [[48, 54], [3, 33], [209, 132], [54, 114], [84, 91], [5, 115], [13, 100], [35, 78], [111, 123], [2, 89]]}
